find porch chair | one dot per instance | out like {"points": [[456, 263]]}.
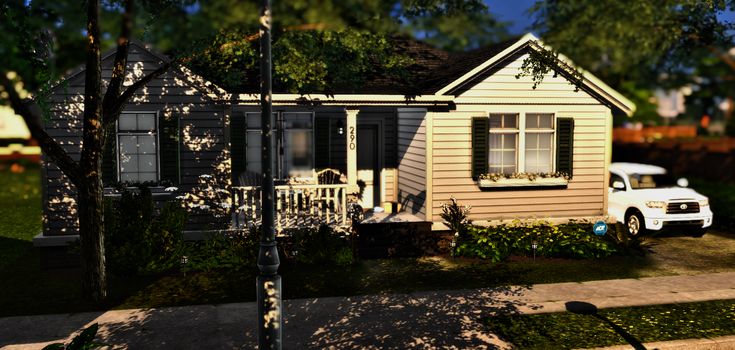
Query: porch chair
{"points": [[331, 177]]}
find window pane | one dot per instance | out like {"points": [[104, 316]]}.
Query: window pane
{"points": [[147, 144], [127, 121], [496, 141], [503, 154], [545, 121], [544, 141], [128, 163], [128, 145], [539, 121], [147, 163], [297, 120], [509, 142], [496, 121], [510, 121], [147, 122], [544, 161], [538, 153], [253, 120]]}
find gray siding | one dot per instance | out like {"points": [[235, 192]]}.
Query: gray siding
{"points": [[411, 139], [202, 143]]}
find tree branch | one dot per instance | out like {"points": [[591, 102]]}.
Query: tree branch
{"points": [[32, 118], [121, 59], [112, 112]]}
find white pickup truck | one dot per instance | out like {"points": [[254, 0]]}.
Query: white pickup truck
{"points": [[644, 198]]}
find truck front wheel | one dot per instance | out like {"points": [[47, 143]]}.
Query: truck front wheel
{"points": [[635, 224]]}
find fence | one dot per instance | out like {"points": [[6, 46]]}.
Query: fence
{"points": [[296, 205]]}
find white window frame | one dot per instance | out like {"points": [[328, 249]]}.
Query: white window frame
{"points": [[280, 138], [157, 138], [521, 131], [505, 131], [551, 131]]}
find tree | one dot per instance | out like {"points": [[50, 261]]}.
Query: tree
{"points": [[100, 113], [637, 45]]}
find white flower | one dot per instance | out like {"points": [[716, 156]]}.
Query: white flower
{"points": [[171, 189], [225, 205]]}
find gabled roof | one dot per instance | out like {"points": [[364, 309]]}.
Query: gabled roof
{"points": [[480, 63], [204, 86]]}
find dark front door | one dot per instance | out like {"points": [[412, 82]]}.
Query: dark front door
{"points": [[368, 164]]}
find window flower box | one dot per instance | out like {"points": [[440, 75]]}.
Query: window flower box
{"points": [[522, 180]]}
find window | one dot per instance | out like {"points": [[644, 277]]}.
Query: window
{"points": [[521, 143], [539, 143], [503, 153], [137, 145], [294, 138], [615, 178]]}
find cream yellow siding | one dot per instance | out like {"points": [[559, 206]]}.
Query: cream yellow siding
{"points": [[501, 92]]}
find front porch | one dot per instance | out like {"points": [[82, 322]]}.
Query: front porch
{"points": [[325, 159]]}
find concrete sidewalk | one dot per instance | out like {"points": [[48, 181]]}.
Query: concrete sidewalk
{"points": [[436, 319]]}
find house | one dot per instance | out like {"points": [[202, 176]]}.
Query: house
{"points": [[468, 122]]}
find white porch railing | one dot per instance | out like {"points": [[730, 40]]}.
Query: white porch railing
{"points": [[296, 205]]}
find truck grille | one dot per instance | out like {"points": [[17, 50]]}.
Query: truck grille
{"points": [[682, 208]]}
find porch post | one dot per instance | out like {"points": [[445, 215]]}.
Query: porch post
{"points": [[352, 151]]}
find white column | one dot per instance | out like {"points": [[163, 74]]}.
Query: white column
{"points": [[352, 151]]}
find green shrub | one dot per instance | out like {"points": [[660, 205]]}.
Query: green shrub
{"points": [[573, 240], [321, 246], [223, 250], [138, 241]]}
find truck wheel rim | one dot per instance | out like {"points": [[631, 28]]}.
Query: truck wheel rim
{"points": [[633, 225]]}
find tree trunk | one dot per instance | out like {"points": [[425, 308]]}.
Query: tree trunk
{"points": [[90, 193], [91, 231]]}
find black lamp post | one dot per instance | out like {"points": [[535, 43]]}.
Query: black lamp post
{"points": [[268, 281]]}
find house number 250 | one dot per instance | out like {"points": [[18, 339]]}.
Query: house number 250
{"points": [[352, 137]]}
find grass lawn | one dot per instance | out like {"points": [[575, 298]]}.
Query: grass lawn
{"points": [[614, 326], [29, 290]]}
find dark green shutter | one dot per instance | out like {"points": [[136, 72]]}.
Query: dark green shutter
{"points": [[237, 145], [564, 145], [480, 130], [109, 157], [168, 140], [321, 143]]}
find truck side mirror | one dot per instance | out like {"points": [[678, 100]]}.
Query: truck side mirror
{"points": [[618, 185]]}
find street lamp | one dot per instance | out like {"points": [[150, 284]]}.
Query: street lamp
{"points": [[268, 283]]}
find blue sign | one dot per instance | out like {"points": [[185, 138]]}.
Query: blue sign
{"points": [[600, 228]]}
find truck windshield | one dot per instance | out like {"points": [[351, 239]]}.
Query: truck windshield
{"points": [[642, 181]]}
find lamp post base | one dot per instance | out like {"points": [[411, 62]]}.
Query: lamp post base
{"points": [[270, 309]]}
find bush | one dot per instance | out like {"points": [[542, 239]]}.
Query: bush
{"points": [[456, 217], [136, 240], [232, 251], [321, 246], [573, 240]]}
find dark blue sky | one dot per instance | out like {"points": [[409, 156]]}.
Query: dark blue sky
{"points": [[513, 11]]}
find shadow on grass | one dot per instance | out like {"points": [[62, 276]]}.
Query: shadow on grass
{"points": [[588, 309]]}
